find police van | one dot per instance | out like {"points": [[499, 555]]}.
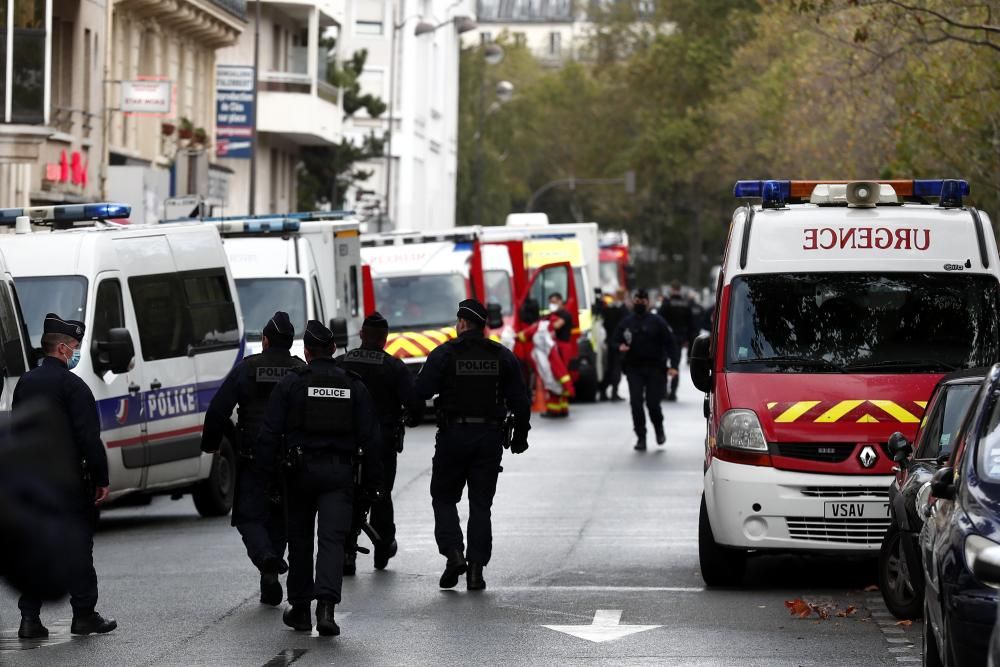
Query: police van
{"points": [[14, 353], [162, 331], [307, 264], [839, 306]]}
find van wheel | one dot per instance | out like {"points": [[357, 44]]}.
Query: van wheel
{"points": [[214, 496], [902, 591], [932, 658], [720, 566]]}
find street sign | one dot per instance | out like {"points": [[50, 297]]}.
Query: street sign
{"points": [[234, 111], [605, 627], [147, 96]]}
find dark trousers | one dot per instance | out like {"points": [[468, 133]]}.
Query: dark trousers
{"points": [[466, 454], [612, 371], [83, 584], [672, 385], [324, 487], [382, 515], [259, 519], [645, 386]]}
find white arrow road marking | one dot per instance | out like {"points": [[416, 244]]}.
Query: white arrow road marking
{"points": [[606, 627]]}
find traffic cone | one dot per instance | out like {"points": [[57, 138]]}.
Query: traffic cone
{"points": [[538, 405]]}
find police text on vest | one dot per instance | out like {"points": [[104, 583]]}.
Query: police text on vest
{"points": [[477, 367], [329, 392]]}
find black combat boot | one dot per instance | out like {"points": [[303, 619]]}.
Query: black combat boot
{"points": [[270, 590], [273, 565], [350, 562], [384, 553], [456, 567], [640, 442], [32, 628], [474, 578], [89, 623], [325, 624], [661, 437], [297, 617]]}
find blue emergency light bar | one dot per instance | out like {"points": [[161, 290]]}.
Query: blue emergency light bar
{"points": [[775, 194], [65, 214], [257, 225]]}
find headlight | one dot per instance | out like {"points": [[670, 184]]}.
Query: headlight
{"points": [[975, 545], [740, 429], [922, 501]]}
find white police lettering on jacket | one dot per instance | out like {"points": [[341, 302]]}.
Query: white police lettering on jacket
{"points": [[477, 367], [363, 356], [329, 392], [171, 402], [271, 374]]}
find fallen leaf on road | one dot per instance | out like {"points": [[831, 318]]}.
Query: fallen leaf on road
{"points": [[907, 623], [849, 611], [799, 607]]}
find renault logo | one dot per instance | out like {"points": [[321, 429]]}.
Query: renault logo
{"points": [[868, 456]]}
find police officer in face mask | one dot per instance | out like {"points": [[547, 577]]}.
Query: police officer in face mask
{"points": [[391, 385], [477, 382], [647, 345], [325, 419], [68, 399], [257, 511]]}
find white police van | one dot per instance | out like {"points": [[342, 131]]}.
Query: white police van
{"points": [[14, 354], [162, 331]]}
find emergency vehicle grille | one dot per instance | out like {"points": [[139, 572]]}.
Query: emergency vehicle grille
{"points": [[842, 531], [829, 452], [845, 491]]}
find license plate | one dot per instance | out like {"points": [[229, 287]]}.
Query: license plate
{"points": [[856, 510]]}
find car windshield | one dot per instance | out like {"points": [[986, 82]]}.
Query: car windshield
{"points": [[988, 454], [261, 297], [498, 290], [410, 302], [863, 322], [66, 296], [948, 412]]}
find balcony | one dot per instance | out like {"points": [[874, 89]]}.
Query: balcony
{"points": [[306, 119]]}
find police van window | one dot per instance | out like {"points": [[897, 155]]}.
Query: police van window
{"points": [[863, 323], [160, 313], [355, 301], [939, 433], [108, 310], [317, 300], [211, 310], [498, 290], [66, 296], [13, 357], [260, 297]]}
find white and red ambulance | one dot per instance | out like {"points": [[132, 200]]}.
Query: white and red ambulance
{"points": [[839, 306]]}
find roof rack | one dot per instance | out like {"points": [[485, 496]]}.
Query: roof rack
{"points": [[267, 223]]}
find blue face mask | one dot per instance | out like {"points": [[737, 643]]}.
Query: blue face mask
{"points": [[74, 360]]}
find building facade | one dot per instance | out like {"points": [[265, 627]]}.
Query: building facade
{"points": [[414, 186], [554, 31]]}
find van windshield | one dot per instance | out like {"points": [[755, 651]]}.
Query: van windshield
{"points": [[409, 302], [498, 290], [66, 296], [862, 323], [261, 297]]}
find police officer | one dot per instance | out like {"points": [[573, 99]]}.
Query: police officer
{"points": [[391, 385], [326, 419], [679, 313], [68, 399], [647, 344], [477, 381], [258, 512]]}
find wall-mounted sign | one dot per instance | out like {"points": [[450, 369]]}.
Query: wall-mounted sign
{"points": [[147, 96], [234, 111]]}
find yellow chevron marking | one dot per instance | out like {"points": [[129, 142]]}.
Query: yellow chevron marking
{"points": [[391, 337], [922, 404], [452, 333], [422, 340], [894, 409], [404, 344], [770, 406], [439, 336], [796, 411], [495, 337], [837, 412], [867, 419]]}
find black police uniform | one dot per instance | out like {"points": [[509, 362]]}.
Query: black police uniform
{"points": [[477, 381], [68, 399], [612, 315], [391, 385], [325, 417], [651, 344], [258, 513], [679, 312]]}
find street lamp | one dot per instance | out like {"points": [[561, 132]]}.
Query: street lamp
{"points": [[492, 55], [462, 24]]}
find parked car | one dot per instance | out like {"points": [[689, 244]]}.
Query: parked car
{"points": [[987, 570], [900, 574], [962, 520]]}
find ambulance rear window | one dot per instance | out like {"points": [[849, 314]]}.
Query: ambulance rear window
{"points": [[420, 301], [862, 322]]}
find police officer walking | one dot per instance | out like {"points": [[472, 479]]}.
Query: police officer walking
{"points": [[67, 398], [391, 385], [679, 313], [258, 513], [477, 382], [647, 344], [325, 417]]}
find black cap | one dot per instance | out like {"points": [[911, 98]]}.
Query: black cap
{"points": [[472, 311], [57, 325], [375, 321], [641, 294], [317, 335], [279, 330]]}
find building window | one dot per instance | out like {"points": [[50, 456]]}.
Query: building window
{"points": [[555, 44], [520, 39], [367, 27], [27, 87]]}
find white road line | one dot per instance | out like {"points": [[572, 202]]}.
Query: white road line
{"points": [[610, 589]]}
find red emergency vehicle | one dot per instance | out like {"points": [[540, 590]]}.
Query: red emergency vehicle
{"points": [[616, 270], [839, 306]]}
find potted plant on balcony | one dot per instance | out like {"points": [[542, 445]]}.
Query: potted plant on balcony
{"points": [[167, 128], [186, 128], [200, 137]]}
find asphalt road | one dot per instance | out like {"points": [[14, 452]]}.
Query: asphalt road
{"points": [[590, 537]]}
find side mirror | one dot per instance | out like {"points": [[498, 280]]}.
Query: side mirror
{"points": [[114, 354], [943, 484], [338, 327], [986, 567], [899, 447], [494, 315], [700, 358]]}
